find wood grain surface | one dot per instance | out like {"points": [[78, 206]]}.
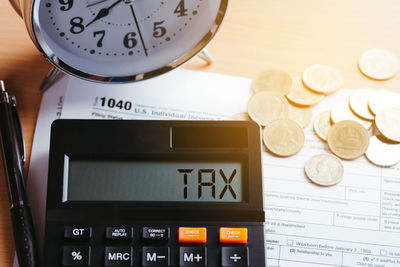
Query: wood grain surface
{"points": [[256, 35]]}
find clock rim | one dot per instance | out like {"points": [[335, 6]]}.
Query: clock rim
{"points": [[36, 35]]}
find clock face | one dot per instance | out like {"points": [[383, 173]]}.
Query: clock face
{"points": [[120, 40]]}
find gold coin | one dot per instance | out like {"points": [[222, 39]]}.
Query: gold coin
{"points": [[348, 139], [342, 112], [272, 80], [324, 169], [381, 99], [241, 117], [322, 124], [301, 115], [300, 95], [322, 79], [267, 106], [378, 64], [283, 138], [388, 123], [359, 103], [382, 153]]}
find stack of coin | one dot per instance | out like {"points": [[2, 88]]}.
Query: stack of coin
{"points": [[282, 105]]}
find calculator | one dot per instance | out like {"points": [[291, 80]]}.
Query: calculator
{"points": [[154, 193]]}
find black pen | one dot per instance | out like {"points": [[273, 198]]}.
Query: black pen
{"points": [[13, 159]]}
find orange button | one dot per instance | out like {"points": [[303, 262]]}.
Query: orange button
{"points": [[192, 235], [233, 235]]}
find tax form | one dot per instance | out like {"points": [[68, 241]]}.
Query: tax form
{"points": [[355, 223]]}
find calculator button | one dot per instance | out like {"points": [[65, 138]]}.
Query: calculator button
{"points": [[234, 257], [118, 256], [119, 233], [155, 233], [78, 233], [155, 256], [192, 257], [76, 256], [192, 235], [233, 235]]}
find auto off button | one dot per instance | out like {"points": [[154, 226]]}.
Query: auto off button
{"points": [[119, 233], [118, 256]]}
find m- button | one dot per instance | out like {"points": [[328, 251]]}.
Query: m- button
{"points": [[192, 235]]}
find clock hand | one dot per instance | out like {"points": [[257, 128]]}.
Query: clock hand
{"points": [[104, 12], [95, 3], [140, 33]]}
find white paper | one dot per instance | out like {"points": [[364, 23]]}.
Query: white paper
{"points": [[356, 223]]}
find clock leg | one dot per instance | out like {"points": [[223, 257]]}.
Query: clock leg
{"points": [[206, 56], [52, 77]]}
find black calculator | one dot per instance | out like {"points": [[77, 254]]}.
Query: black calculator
{"points": [[154, 193]]}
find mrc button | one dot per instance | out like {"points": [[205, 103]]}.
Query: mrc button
{"points": [[233, 235], [73, 232], [119, 233], [118, 256], [192, 235], [155, 233]]}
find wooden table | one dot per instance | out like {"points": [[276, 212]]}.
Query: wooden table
{"points": [[256, 35]]}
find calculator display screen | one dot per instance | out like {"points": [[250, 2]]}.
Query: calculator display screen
{"points": [[116, 180]]}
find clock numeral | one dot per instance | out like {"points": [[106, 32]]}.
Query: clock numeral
{"points": [[159, 31], [77, 26], [129, 40], [67, 4], [180, 9], [100, 41]]}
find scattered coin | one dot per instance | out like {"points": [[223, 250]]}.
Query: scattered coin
{"points": [[378, 64], [267, 106], [324, 169], [322, 79], [301, 115], [322, 124], [241, 117], [342, 112], [348, 139], [302, 96], [273, 80], [359, 103], [381, 99], [381, 153], [283, 137], [388, 123]]}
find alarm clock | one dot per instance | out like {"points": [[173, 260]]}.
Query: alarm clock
{"points": [[120, 40]]}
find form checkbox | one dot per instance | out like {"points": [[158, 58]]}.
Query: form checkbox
{"points": [[383, 252], [290, 242]]}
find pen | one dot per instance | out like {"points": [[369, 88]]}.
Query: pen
{"points": [[13, 159]]}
